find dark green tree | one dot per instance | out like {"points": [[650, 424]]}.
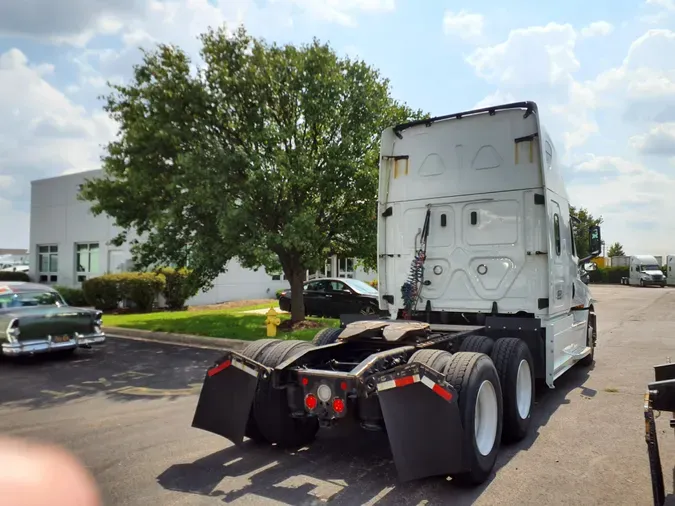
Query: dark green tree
{"points": [[581, 231], [266, 154], [616, 250]]}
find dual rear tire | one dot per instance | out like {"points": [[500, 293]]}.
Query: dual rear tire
{"points": [[270, 419], [495, 397]]}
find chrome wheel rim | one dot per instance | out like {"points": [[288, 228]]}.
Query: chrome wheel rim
{"points": [[486, 418]]}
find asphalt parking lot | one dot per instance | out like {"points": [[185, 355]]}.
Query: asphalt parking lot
{"points": [[126, 411]]}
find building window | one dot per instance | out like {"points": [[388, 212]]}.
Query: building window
{"points": [[48, 263], [556, 232], [278, 276], [346, 268], [86, 260]]}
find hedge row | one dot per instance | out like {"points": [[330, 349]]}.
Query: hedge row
{"points": [[72, 296], [13, 276], [612, 274], [142, 289]]}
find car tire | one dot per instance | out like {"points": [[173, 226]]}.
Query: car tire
{"points": [[515, 366], [477, 344], [368, 310], [326, 336], [270, 406], [474, 377]]}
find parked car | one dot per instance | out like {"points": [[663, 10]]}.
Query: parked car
{"points": [[34, 318], [332, 297]]}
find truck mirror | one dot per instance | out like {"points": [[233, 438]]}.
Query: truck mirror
{"points": [[590, 267], [594, 240]]}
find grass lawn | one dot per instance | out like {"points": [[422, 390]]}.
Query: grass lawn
{"points": [[224, 323]]}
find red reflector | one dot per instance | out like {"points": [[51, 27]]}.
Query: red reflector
{"points": [[401, 382], [218, 368], [305, 381], [442, 392], [343, 385], [338, 405], [310, 401]]}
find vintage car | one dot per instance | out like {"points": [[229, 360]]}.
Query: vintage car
{"points": [[35, 318]]}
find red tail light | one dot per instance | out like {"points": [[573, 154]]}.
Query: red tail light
{"points": [[310, 401], [338, 405]]}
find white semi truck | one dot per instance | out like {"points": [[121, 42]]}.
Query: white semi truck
{"points": [[644, 270], [670, 272], [479, 273]]}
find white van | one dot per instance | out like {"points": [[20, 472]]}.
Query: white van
{"points": [[670, 274], [644, 271]]}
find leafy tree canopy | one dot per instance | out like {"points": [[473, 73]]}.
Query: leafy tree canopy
{"points": [[616, 250], [266, 154], [581, 231]]}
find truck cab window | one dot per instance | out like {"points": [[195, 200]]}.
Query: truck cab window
{"points": [[573, 245], [556, 233]]}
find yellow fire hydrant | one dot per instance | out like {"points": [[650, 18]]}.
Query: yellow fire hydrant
{"points": [[272, 321]]}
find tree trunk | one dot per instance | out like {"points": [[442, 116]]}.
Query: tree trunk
{"points": [[297, 296]]}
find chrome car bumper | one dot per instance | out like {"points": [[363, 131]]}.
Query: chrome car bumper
{"points": [[18, 348]]}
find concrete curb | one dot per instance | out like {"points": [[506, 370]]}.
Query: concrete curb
{"points": [[183, 339]]}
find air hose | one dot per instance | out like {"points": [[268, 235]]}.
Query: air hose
{"points": [[411, 289]]}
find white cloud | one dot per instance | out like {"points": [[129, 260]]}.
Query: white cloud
{"points": [[659, 141], [597, 29], [73, 22], [463, 24], [496, 98], [510, 63], [631, 198], [42, 134]]}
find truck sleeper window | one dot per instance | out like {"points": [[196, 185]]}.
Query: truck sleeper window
{"points": [[556, 232]]}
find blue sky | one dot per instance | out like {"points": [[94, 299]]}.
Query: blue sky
{"points": [[602, 72]]}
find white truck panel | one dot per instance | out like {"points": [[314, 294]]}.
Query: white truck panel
{"points": [[670, 272]]}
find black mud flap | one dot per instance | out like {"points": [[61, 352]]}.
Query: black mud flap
{"points": [[423, 423], [226, 397]]}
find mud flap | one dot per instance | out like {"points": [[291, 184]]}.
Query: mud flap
{"points": [[423, 422], [226, 397]]}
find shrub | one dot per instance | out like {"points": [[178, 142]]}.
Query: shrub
{"points": [[73, 296], [140, 288], [279, 292], [102, 292], [177, 286], [13, 276], [610, 275]]}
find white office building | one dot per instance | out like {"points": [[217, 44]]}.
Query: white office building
{"points": [[68, 244]]}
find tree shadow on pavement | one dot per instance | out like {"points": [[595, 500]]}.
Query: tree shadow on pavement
{"points": [[345, 466], [122, 370]]}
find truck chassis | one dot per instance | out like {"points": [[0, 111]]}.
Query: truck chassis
{"points": [[446, 398], [660, 396]]}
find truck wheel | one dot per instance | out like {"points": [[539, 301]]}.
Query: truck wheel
{"points": [[588, 360], [437, 360], [513, 361], [270, 406], [480, 406], [253, 351], [477, 344], [326, 336], [642, 283]]}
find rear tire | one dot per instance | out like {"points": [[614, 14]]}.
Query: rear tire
{"points": [[437, 360], [477, 344], [480, 406], [270, 406], [513, 361], [253, 351], [326, 336], [591, 336]]}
